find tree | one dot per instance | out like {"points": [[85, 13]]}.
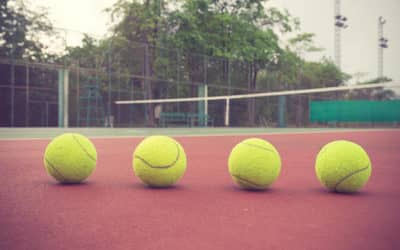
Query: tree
{"points": [[235, 30], [89, 54], [205, 35], [137, 21], [373, 93], [138, 24], [20, 30]]}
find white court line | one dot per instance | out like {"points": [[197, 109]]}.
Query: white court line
{"points": [[217, 135]]}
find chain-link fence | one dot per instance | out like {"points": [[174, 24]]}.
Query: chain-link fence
{"points": [[102, 71]]}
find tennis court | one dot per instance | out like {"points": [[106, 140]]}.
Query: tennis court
{"points": [[205, 210], [196, 124]]}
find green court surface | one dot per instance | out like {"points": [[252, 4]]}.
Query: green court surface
{"points": [[33, 133]]}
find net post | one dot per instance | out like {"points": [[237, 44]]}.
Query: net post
{"points": [[202, 105], [63, 98], [206, 100], [60, 98], [281, 111], [66, 95], [27, 110], [227, 113]]}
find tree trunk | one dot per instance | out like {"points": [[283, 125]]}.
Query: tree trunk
{"points": [[148, 87], [192, 106], [252, 87]]}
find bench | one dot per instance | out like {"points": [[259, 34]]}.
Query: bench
{"points": [[167, 118], [200, 120], [187, 119]]}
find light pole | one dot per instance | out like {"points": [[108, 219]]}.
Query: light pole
{"points": [[382, 44], [339, 24]]}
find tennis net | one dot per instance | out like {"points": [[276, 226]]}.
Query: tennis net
{"points": [[348, 105]]}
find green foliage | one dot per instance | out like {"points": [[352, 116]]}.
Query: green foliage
{"points": [[88, 54], [21, 29], [238, 30], [378, 80], [231, 30], [137, 21], [217, 42], [303, 43], [375, 93]]}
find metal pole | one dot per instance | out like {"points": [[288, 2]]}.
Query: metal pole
{"points": [[47, 114], [118, 120], [148, 86], [380, 48], [61, 98], [27, 98], [12, 92], [337, 35], [66, 97], [229, 77], [206, 100], [227, 112], [109, 91], [205, 66], [281, 111], [132, 96], [204, 122], [78, 113], [178, 77], [13, 72]]}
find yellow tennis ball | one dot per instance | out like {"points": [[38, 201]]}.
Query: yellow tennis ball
{"points": [[159, 161], [343, 166], [254, 164], [70, 158]]}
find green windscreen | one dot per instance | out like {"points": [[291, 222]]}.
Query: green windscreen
{"points": [[355, 111]]}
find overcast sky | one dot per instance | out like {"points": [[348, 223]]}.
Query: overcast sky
{"points": [[359, 41]]}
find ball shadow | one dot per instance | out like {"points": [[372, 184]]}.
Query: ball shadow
{"points": [[49, 184], [237, 189], [324, 191], [70, 185], [56, 183], [146, 187]]}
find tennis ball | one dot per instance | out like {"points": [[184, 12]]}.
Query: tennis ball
{"points": [[70, 158], [343, 166], [254, 164], [159, 161]]}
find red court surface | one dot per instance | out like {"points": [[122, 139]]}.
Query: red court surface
{"points": [[113, 210]]}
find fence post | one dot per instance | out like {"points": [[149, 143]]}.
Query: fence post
{"points": [[148, 86], [281, 111], [202, 105], [27, 110], [227, 112], [108, 118], [66, 97], [12, 117], [229, 77], [63, 97], [60, 98]]}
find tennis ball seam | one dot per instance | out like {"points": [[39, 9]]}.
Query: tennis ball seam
{"points": [[83, 148], [258, 146], [350, 175], [56, 170], [248, 182], [162, 166]]}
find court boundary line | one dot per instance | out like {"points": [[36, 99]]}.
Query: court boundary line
{"points": [[217, 135]]}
